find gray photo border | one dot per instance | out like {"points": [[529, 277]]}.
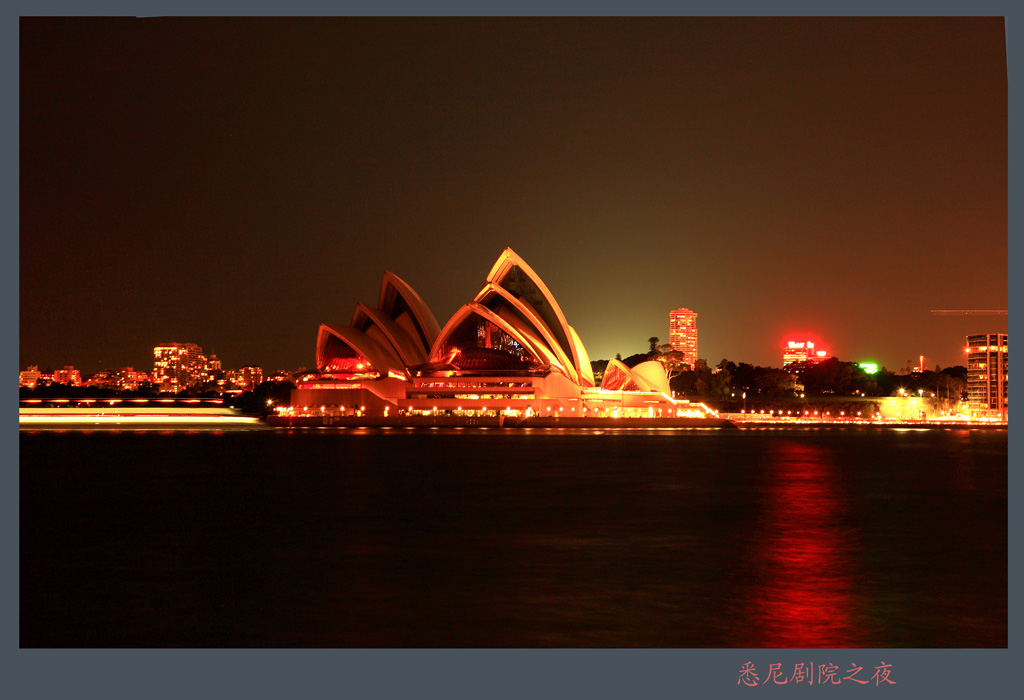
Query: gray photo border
{"points": [[465, 673]]}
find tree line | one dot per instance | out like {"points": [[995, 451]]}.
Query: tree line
{"points": [[830, 378]]}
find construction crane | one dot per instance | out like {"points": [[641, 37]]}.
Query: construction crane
{"points": [[972, 312]]}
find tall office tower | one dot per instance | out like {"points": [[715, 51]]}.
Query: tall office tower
{"points": [[988, 383], [178, 365], [682, 334]]}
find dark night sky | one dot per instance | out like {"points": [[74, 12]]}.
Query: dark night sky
{"points": [[235, 182]]}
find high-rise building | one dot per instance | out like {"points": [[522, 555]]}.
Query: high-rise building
{"points": [[178, 365], [682, 334], [802, 352], [988, 383]]}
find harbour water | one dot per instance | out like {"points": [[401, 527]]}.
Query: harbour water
{"points": [[855, 536]]}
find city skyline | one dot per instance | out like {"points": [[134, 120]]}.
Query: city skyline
{"points": [[237, 182]]}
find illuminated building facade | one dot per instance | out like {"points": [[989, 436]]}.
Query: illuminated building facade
{"points": [[802, 352], [69, 375], [121, 379], [247, 378], [988, 381], [177, 366], [30, 377], [682, 334], [509, 351]]}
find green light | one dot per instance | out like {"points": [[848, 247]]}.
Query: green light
{"points": [[868, 367]]}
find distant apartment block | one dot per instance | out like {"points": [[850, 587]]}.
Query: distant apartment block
{"points": [[177, 366], [30, 377], [244, 378], [682, 334], [799, 353], [121, 379], [69, 375], [988, 383]]}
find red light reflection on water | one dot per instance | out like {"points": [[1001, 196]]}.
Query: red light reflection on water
{"points": [[805, 597]]}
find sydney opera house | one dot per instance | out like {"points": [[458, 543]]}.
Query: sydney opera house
{"points": [[509, 352]]}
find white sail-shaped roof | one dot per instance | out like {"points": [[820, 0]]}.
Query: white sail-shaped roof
{"points": [[513, 274], [617, 377], [646, 376], [519, 326], [386, 331], [652, 374], [521, 314], [512, 342], [401, 303], [586, 371], [379, 358]]}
